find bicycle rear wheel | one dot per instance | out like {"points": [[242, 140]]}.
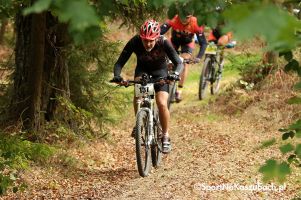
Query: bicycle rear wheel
{"points": [[205, 77], [156, 149], [143, 153]]}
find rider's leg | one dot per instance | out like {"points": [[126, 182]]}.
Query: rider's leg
{"points": [[161, 100], [183, 75]]}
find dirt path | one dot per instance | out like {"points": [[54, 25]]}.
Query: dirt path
{"points": [[205, 153], [209, 149]]}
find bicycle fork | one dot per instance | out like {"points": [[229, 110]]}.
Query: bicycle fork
{"points": [[150, 123]]}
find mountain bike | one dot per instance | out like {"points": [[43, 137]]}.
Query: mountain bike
{"points": [[173, 86], [148, 134], [212, 70]]}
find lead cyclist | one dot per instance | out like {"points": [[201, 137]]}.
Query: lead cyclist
{"points": [[151, 51]]}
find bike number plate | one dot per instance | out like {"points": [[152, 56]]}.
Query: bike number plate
{"points": [[211, 49], [141, 90]]}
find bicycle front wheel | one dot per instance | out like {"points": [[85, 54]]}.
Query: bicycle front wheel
{"points": [[156, 148], [143, 153], [205, 77]]}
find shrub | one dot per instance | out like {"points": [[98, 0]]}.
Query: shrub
{"points": [[15, 155]]}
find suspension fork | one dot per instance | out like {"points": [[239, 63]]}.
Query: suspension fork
{"points": [[211, 68], [150, 122]]}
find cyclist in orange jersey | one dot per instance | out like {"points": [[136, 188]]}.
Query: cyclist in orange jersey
{"points": [[182, 38]]}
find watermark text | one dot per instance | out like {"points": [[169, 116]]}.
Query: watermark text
{"points": [[236, 186]]}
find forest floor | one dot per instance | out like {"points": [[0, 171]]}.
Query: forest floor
{"points": [[216, 153]]}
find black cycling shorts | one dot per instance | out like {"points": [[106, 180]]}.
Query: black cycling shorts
{"points": [[186, 47]]}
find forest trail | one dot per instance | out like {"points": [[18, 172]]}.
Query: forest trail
{"points": [[210, 148]]}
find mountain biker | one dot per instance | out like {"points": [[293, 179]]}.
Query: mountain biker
{"points": [[184, 27], [218, 38], [217, 35], [152, 51]]}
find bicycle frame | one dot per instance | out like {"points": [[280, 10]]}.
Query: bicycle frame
{"points": [[215, 53], [212, 70], [148, 128], [146, 102], [212, 67]]}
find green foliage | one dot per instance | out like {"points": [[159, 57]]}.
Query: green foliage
{"points": [[38, 7], [205, 11], [268, 143], [294, 100], [286, 148], [288, 55], [72, 124], [87, 20], [134, 12], [250, 69], [297, 86], [292, 64], [9, 7], [253, 19], [274, 170], [243, 61], [15, 155], [84, 23], [258, 18], [90, 66], [78, 13], [286, 135], [17, 150]]}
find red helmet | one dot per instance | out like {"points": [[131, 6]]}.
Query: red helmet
{"points": [[150, 30]]}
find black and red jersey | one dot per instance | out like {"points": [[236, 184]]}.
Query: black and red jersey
{"points": [[183, 34]]}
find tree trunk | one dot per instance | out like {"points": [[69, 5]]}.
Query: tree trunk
{"points": [[270, 60], [30, 47], [41, 73], [4, 23], [56, 74]]}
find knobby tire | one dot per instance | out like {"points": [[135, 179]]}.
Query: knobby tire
{"points": [[143, 152], [216, 78], [156, 149], [205, 75]]}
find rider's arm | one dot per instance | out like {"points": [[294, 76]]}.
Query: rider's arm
{"points": [[164, 28], [202, 42], [225, 39], [173, 56], [124, 56]]}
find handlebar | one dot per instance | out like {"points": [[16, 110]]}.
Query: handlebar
{"points": [[144, 81], [190, 61], [229, 45]]}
